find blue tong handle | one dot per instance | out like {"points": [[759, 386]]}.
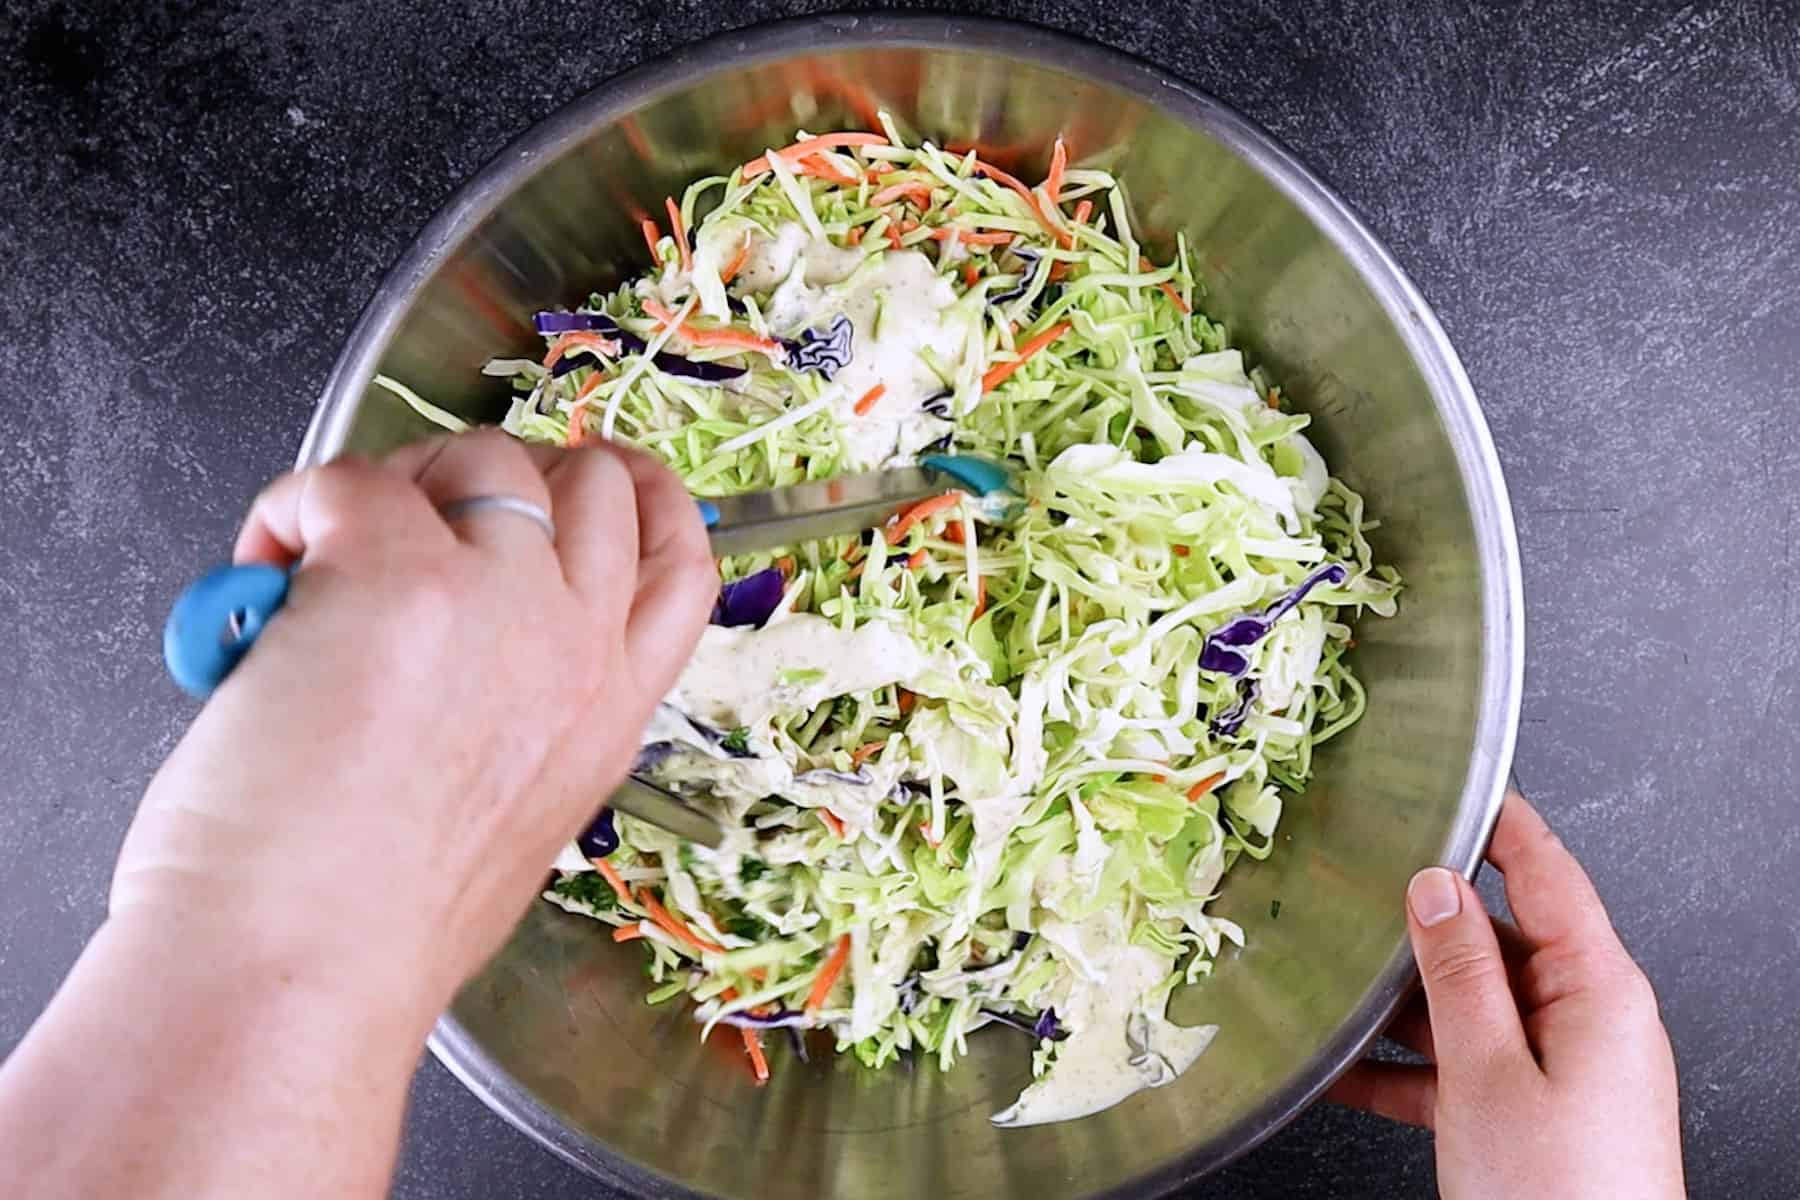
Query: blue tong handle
{"points": [[221, 613], [215, 620]]}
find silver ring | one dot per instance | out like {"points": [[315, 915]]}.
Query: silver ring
{"points": [[471, 505]]}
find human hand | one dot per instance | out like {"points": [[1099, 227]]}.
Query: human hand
{"points": [[437, 708], [1551, 1074]]}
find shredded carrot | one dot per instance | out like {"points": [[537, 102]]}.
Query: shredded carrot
{"points": [[737, 262], [954, 533], [970, 237], [1083, 211], [1204, 786], [577, 424], [651, 236], [902, 524], [1168, 288], [828, 974], [855, 235], [736, 339], [893, 235], [914, 190], [971, 276], [821, 169], [905, 700], [980, 597], [667, 922], [998, 374], [1274, 397], [917, 559], [1059, 161], [1179, 551], [629, 933], [785, 564], [1159, 778], [811, 146], [1007, 181], [869, 398], [753, 1047], [610, 873], [578, 338], [865, 752], [833, 822], [680, 231], [884, 167], [925, 831]]}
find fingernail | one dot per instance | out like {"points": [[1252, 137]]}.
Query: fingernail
{"points": [[1433, 896]]}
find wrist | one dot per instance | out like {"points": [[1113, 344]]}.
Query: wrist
{"points": [[350, 986]]}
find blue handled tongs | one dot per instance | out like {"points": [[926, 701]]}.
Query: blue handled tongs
{"points": [[215, 621]]}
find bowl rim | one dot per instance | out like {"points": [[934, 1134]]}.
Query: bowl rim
{"points": [[1502, 640]]}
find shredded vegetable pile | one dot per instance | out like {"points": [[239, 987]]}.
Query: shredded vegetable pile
{"points": [[988, 764]]}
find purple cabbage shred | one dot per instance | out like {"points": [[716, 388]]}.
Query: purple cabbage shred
{"points": [[552, 323], [750, 600], [825, 353], [1222, 652], [1046, 1025], [1233, 718], [601, 838]]}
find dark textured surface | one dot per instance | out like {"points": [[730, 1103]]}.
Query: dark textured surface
{"points": [[1600, 200]]}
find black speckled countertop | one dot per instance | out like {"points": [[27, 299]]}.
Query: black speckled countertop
{"points": [[1600, 199]]}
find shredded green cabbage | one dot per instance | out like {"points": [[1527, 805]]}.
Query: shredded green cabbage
{"points": [[1047, 748]]}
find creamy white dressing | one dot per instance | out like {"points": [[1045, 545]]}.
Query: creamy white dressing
{"points": [[1117, 1044], [745, 677], [898, 305]]}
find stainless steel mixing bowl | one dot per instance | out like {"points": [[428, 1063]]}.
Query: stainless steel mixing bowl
{"points": [[555, 1035]]}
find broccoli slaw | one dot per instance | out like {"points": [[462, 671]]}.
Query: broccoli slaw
{"points": [[984, 765]]}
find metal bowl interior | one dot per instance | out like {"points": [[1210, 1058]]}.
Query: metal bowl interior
{"points": [[554, 1033]]}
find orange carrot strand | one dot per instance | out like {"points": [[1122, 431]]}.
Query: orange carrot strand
{"points": [[610, 873], [759, 1066], [575, 339], [629, 933], [651, 236], [821, 169], [1059, 161], [998, 374], [869, 399], [737, 262], [1204, 786], [833, 822], [828, 974], [677, 228], [902, 525], [1168, 288], [666, 921], [811, 146]]}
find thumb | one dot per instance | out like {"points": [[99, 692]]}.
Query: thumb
{"points": [[1475, 1024]]}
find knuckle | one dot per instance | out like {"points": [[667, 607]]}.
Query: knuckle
{"points": [[1634, 996], [344, 484], [1462, 966]]}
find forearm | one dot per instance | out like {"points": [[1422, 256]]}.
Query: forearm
{"points": [[183, 1058]]}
